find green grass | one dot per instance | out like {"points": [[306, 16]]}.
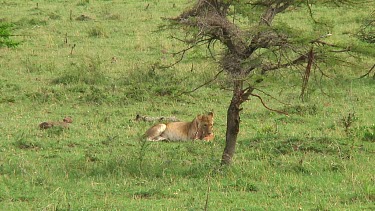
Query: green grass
{"points": [[308, 160]]}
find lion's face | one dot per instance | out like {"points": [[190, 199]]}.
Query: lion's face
{"points": [[206, 123]]}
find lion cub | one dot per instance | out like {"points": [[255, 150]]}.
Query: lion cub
{"points": [[200, 128]]}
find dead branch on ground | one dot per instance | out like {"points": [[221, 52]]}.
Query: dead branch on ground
{"points": [[139, 118]]}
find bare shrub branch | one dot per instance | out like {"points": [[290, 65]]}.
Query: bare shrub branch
{"points": [[204, 84], [274, 110], [368, 73]]}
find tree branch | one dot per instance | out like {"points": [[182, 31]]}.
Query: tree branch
{"points": [[310, 11], [183, 51], [246, 93], [204, 84], [272, 97], [261, 100], [301, 59], [306, 76], [211, 42], [368, 73]]}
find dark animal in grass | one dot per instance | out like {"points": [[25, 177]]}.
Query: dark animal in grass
{"points": [[139, 118], [63, 124]]}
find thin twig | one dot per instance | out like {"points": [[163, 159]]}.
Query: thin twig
{"points": [[212, 41], [310, 11], [204, 84], [298, 60], [316, 66], [306, 76], [261, 100], [183, 51], [368, 73], [324, 43], [272, 97], [341, 51]]}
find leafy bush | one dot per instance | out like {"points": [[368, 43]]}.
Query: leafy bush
{"points": [[23, 141], [97, 31], [142, 84], [88, 73], [5, 34], [367, 31], [367, 133], [45, 94], [9, 91], [31, 22]]}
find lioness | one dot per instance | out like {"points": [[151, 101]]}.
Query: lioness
{"points": [[199, 128]]}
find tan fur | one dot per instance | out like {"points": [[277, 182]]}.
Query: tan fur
{"points": [[199, 128], [64, 124]]}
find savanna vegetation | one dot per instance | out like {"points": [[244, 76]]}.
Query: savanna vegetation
{"points": [[104, 62]]}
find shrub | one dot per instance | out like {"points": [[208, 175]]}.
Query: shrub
{"points": [[5, 34], [367, 133], [88, 73], [97, 31], [367, 31]]}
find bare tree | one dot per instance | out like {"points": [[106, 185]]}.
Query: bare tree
{"points": [[259, 47]]}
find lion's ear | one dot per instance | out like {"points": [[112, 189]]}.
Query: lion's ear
{"points": [[199, 117], [211, 114]]}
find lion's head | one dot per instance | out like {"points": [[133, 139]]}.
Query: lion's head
{"points": [[205, 126]]}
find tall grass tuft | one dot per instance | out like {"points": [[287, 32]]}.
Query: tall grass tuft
{"points": [[97, 31], [90, 72], [5, 35]]}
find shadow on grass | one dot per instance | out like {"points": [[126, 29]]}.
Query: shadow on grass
{"points": [[277, 145]]}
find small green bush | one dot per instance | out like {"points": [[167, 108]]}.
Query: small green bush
{"points": [[89, 72], [5, 35], [367, 133], [367, 31], [97, 31]]}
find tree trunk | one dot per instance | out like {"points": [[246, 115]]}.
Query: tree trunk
{"points": [[233, 124]]}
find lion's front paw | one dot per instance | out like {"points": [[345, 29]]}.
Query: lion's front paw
{"points": [[209, 137]]}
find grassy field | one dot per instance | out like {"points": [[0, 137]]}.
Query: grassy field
{"points": [[97, 61]]}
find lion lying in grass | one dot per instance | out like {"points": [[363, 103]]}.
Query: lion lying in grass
{"points": [[200, 128]]}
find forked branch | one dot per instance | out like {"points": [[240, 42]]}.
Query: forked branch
{"points": [[306, 76], [204, 84], [274, 110], [183, 51], [368, 73]]}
